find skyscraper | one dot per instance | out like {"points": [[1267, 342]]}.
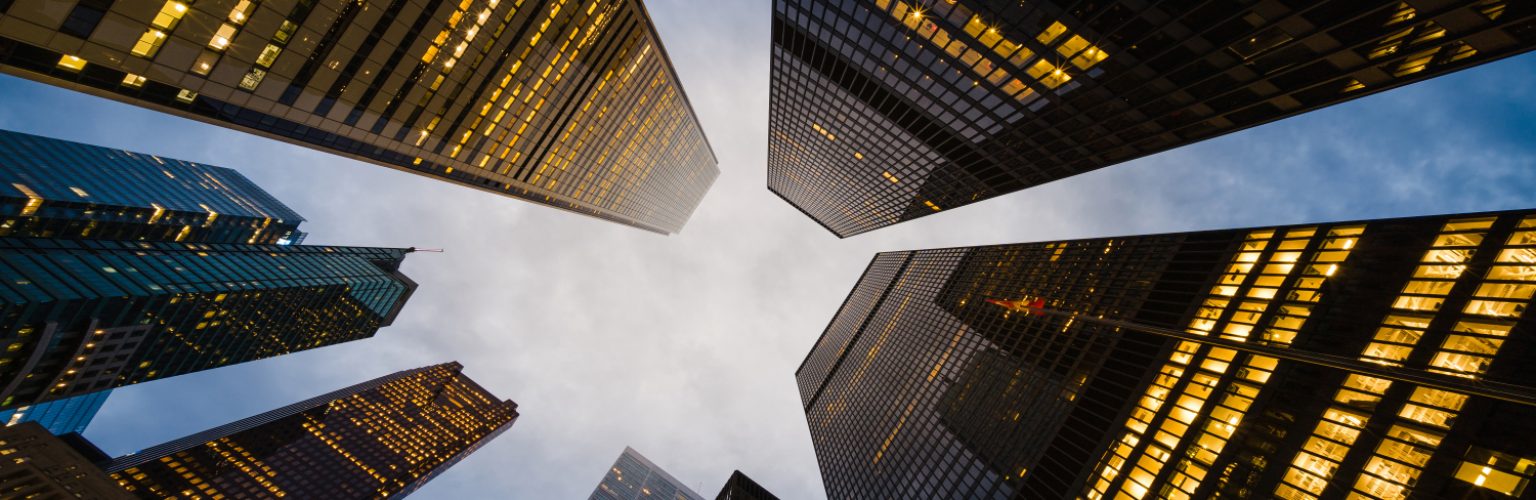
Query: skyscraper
{"points": [[40, 465], [888, 110], [87, 315], [119, 267], [573, 105], [633, 477], [384, 438], [50, 188], [1380, 358], [741, 487], [60, 416]]}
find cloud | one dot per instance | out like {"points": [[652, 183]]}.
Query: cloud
{"points": [[684, 347]]}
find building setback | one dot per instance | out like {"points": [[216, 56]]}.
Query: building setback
{"points": [[1384, 358], [633, 477], [570, 104], [384, 438], [741, 487], [884, 111], [40, 465], [119, 267], [60, 416]]}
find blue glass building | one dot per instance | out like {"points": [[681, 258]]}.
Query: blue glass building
{"points": [[87, 315], [51, 188], [60, 416], [119, 267]]}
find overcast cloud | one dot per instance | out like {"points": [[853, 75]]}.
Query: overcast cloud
{"points": [[685, 347]]}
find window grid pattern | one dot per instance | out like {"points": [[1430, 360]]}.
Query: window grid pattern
{"points": [[380, 439], [58, 189], [1012, 95], [372, 82], [953, 386], [129, 312]]}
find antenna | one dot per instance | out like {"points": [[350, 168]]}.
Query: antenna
{"points": [[414, 249]]}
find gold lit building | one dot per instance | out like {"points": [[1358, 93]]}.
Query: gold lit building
{"points": [[567, 103], [1375, 359], [883, 111], [379, 439]]}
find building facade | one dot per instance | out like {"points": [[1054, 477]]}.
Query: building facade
{"points": [[50, 188], [883, 111], [60, 416], [1373, 359], [634, 477], [570, 104], [87, 315], [39, 465], [384, 438], [741, 487]]}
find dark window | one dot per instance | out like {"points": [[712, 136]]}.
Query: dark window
{"points": [[81, 21]]}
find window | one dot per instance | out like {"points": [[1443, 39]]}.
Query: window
{"points": [[84, 18]]}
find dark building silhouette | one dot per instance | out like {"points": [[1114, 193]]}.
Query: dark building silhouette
{"points": [[1383, 358], [384, 438], [570, 105], [883, 111], [36, 464], [741, 487]]}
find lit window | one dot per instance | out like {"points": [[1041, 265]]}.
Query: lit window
{"points": [[71, 63]]}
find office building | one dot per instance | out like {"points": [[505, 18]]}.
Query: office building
{"points": [[573, 105], [889, 110], [122, 267], [1373, 359], [50, 188], [633, 477], [384, 438], [60, 416], [741, 487], [37, 464], [87, 315]]}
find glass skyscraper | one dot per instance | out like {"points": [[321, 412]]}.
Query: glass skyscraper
{"points": [[1373, 359], [384, 438], [50, 188], [119, 267], [569, 104], [60, 416], [633, 477], [883, 111]]}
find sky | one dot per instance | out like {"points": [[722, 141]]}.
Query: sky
{"points": [[685, 346]]}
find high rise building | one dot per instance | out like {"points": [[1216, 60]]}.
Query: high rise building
{"points": [[88, 315], [570, 104], [884, 111], [383, 438], [50, 188], [633, 477], [60, 416], [39, 465], [122, 267], [1373, 359], [741, 487]]}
